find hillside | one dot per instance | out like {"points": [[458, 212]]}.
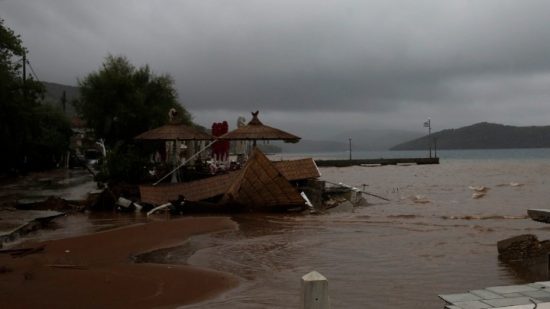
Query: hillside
{"points": [[53, 95], [483, 136]]}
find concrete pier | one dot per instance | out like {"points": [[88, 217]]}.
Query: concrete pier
{"points": [[526, 296], [397, 161]]}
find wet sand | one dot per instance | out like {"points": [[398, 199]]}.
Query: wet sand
{"points": [[105, 275]]}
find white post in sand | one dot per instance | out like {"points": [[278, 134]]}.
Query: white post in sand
{"points": [[315, 291]]}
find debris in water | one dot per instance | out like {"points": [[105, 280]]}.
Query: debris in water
{"points": [[420, 199], [477, 195], [478, 188], [511, 184], [479, 191]]}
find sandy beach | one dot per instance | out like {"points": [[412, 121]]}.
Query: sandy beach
{"points": [[96, 270]]}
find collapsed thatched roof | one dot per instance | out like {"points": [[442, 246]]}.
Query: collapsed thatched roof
{"points": [[298, 169], [256, 130], [174, 131], [260, 184], [192, 191]]}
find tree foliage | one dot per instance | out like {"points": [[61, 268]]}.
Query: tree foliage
{"points": [[120, 101], [24, 123], [125, 163]]}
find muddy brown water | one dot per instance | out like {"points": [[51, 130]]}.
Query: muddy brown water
{"points": [[432, 238]]}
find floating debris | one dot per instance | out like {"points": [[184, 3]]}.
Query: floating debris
{"points": [[420, 199], [479, 188], [511, 184], [477, 195], [479, 191]]}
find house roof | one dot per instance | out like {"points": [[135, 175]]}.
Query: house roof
{"points": [[256, 130], [174, 131]]}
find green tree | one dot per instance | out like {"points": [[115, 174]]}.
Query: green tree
{"points": [[120, 101], [51, 131], [24, 123]]}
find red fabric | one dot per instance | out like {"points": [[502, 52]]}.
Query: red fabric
{"points": [[220, 149]]}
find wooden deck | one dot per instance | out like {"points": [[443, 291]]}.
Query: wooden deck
{"points": [[397, 161]]}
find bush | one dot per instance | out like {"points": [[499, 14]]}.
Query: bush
{"points": [[125, 163]]}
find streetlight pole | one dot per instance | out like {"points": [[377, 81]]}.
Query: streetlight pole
{"points": [[350, 148], [428, 124]]}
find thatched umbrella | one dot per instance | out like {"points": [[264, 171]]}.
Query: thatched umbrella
{"points": [[256, 130], [174, 131]]}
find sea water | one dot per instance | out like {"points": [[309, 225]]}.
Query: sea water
{"points": [[433, 237], [455, 154]]}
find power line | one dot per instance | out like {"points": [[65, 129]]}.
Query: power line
{"points": [[32, 70]]}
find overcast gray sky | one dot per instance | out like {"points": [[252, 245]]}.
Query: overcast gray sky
{"points": [[316, 68]]}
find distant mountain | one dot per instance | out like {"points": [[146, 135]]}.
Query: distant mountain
{"points": [[483, 136], [53, 95]]}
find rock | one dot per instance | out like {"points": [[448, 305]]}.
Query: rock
{"points": [[522, 247]]}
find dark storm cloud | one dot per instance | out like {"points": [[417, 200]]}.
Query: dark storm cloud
{"points": [[391, 62]]}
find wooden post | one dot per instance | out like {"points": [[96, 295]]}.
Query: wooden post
{"points": [[315, 291]]}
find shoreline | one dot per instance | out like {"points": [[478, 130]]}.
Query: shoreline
{"points": [[97, 270]]}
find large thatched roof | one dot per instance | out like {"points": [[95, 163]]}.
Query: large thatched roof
{"points": [[174, 131], [256, 130], [260, 185]]}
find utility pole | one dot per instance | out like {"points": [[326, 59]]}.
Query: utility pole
{"points": [[24, 76], [350, 148], [64, 101]]}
